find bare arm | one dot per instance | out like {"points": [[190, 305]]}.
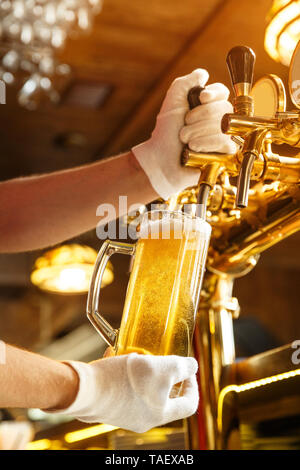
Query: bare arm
{"points": [[29, 380], [39, 211], [104, 391], [44, 210]]}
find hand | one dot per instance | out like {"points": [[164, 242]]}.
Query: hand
{"points": [[202, 132], [132, 391], [160, 155]]}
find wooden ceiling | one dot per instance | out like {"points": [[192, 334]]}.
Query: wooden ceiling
{"points": [[136, 48]]}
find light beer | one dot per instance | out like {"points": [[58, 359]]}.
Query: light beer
{"points": [[164, 286]]}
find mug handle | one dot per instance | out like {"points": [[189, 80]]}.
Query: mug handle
{"points": [[109, 248]]}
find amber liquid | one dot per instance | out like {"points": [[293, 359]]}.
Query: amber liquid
{"points": [[162, 295]]}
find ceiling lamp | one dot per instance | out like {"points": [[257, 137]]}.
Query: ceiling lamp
{"points": [[68, 269], [31, 31], [283, 31]]}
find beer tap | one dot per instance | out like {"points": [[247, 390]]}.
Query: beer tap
{"points": [[240, 61], [210, 172]]}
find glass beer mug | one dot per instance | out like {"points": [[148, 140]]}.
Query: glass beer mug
{"points": [[164, 286]]}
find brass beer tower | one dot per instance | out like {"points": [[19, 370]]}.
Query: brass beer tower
{"points": [[253, 202], [251, 199]]}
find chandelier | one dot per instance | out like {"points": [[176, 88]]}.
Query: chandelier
{"points": [[31, 31], [283, 30]]}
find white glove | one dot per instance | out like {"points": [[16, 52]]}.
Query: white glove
{"points": [[132, 391], [160, 155], [203, 131]]}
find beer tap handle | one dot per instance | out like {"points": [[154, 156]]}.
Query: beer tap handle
{"points": [[203, 187], [194, 96], [240, 61]]}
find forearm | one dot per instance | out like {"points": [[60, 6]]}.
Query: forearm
{"points": [[28, 380], [44, 210]]}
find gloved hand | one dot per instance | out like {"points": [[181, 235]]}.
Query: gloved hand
{"points": [[160, 155], [202, 131], [132, 391]]}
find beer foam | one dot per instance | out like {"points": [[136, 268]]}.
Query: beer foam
{"points": [[164, 227]]}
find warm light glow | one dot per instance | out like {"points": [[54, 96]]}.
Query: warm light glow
{"points": [[72, 278], [42, 444], [157, 435], [227, 333], [250, 386], [86, 433], [283, 31], [68, 269]]}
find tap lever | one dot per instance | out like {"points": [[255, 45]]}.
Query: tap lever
{"points": [[194, 96], [194, 101], [240, 61]]}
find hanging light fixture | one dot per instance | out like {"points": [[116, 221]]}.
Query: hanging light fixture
{"points": [[31, 31], [283, 30], [68, 269]]}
